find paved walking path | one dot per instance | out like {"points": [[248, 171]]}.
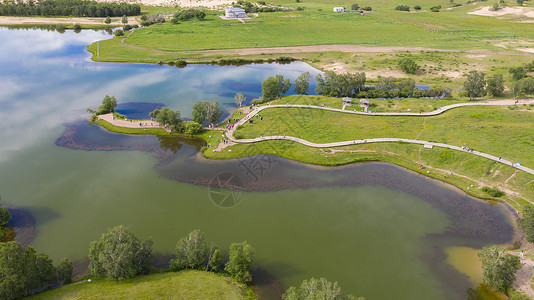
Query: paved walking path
{"points": [[256, 110], [129, 123]]}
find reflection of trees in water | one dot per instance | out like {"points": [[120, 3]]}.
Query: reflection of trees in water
{"points": [[175, 143]]}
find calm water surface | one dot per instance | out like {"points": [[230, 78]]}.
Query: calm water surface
{"points": [[381, 231]]}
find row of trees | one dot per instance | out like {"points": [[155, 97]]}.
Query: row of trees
{"points": [[5, 217], [317, 289], [349, 85], [24, 271], [477, 85], [119, 254], [184, 15], [75, 8]]}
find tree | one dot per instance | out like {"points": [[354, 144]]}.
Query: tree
{"points": [[192, 128], [523, 87], [408, 65], [302, 84], [23, 270], [215, 261], [191, 252], [495, 85], [406, 87], [355, 6], [118, 32], [239, 98], [474, 85], [241, 262], [169, 118], [339, 85], [526, 223], [119, 254], [499, 268], [208, 112], [64, 271], [200, 15], [108, 105], [124, 19], [5, 217], [386, 83], [274, 87], [517, 73], [316, 289], [108, 20]]}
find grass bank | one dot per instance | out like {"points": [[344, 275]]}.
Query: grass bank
{"points": [[180, 285]]}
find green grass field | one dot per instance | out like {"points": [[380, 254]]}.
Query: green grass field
{"points": [[181, 285], [493, 130]]}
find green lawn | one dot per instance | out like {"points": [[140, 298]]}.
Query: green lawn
{"points": [[493, 130], [181, 285]]}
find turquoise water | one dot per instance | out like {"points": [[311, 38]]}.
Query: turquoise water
{"points": [[379, 230]]}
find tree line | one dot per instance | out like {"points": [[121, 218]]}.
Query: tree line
{"points": [[332, 84], [75, 8]]}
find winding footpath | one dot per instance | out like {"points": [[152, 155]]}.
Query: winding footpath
{"points": [[441, 110]]}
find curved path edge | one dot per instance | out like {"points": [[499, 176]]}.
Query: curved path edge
{"points": [[377, 140]]}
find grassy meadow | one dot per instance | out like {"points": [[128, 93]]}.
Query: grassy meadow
{"points": [[181, 285]]}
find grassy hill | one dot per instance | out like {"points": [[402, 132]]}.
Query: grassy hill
{"points": [[181, 285]]}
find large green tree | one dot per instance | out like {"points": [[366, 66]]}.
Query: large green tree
{"points": [[302, 84], [406, 87], [274, 87], [108, 105], [241, 262], [64, 271], [495, 85], [517, 72], [205, 112], [168, 117], [215, 260], [119, 254], [523, 87], [238, 99], [526, 223], [474, 85], [23, 271], [498, 268], [191, 252], [317, 289], [339, 85]]}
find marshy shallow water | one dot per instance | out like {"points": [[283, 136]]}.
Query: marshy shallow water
{"points": [[382, 232]]}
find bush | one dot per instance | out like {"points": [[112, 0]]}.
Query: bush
{"points": [[127, 28], [402, 8], [493, 192], [408, 65], [367, 8], [434, 9], [192, 128], [77, 27], [108, 20], [118, 32], [180, 63], [417, 7], [354, 6]]}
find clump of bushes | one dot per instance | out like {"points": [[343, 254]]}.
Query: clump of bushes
{"points": [[188, 14], [180, 63], [367, 8], [493, 192], [402, 8], [118, 32], [435, 8], [152, 19], [408, 65]]}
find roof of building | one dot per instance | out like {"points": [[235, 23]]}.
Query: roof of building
{"points": [[235, 9]]}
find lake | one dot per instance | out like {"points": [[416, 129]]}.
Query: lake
{"points": [[381, 231]]}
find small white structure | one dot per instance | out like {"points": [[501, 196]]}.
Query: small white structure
{"points": [[235, 13], [339, 9]]}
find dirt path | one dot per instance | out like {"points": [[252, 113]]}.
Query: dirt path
{"points": [[129, 123], [319, 48], [523, 277]]}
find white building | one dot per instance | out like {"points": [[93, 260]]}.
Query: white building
{"points": [[339, 9], [235, 13]]}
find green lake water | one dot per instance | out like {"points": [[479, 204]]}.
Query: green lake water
{"points": [[378, 230]]}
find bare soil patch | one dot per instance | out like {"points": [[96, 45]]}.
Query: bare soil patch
{"points": [[516, 11]]}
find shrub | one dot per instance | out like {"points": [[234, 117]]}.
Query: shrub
{"points": [[126, 27], [180, 63], [417, 7], [118, 32], [402, 8], [434, 9], [493, 192], [108, 20], [408, 65], [192, 128], [367, 8], [354, 6], [77, 27]]}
